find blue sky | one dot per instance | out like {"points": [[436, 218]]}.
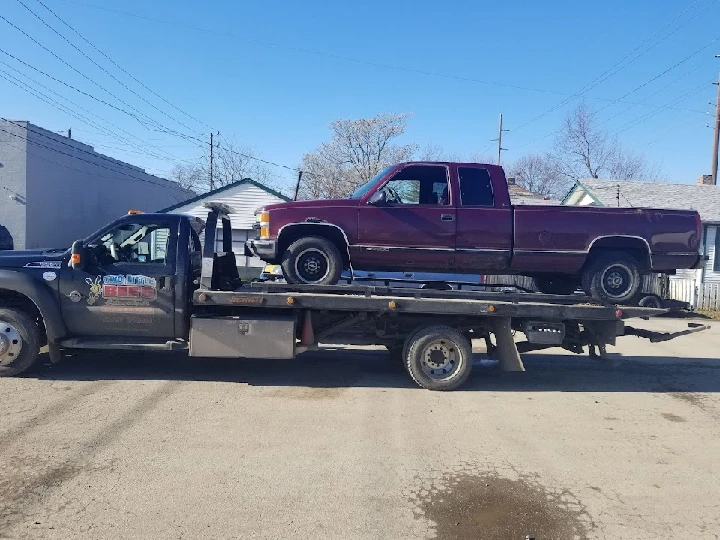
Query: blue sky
{"points": [[273, 75]]}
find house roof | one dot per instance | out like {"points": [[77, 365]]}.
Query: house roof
{"points": [[705, 199], [214, 192], [520, 195]]}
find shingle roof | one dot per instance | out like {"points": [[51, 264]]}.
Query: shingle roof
{"points": [[705, 199], [520, 195], [220, 190]]}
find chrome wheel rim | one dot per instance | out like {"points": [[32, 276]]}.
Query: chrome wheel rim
{"points": [[10, 343], [312, 265], [616, 280], [440, 359]]}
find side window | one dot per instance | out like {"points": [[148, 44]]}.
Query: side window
{"points": [[475, 187], [419, 184], [136, 243], [716, 265]]}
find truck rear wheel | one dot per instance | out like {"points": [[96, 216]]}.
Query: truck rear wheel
{"points": [[438, 357], [19, 342], [612, 278], [312, 261]]}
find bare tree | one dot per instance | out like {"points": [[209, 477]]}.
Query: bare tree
{"points": [[190, 176], [231, 163], [583, 150], [359, 149], [539, 174]]}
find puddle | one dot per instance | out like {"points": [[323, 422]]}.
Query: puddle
{"points": [[470, 506]]}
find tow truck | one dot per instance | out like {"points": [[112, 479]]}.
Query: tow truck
{"points": [[147, 282]]}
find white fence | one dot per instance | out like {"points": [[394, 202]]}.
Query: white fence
{"points": [[705, 296]]}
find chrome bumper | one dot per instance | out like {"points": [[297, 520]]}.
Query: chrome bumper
{"points": [[265, 249]]}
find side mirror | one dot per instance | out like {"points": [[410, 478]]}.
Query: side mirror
{"points": [[378, 198], [78, 255]]}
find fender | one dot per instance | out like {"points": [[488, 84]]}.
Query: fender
{"points": [[46, 303], [317, 222]]}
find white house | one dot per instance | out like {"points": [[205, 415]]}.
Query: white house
{"points": [[244, 197], [699, 287]]}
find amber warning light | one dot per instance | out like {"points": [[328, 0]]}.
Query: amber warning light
{"points": [[133, 212], [75, 258]]}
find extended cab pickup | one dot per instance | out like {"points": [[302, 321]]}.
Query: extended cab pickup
{"points": [[458, 217]]}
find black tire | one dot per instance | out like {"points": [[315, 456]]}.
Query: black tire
{"points": [[312, 260], [19, 342], [556, 284], [650, 301], [438, 358], [612, 278]]}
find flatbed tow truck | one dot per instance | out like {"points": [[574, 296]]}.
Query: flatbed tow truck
{"points": [[184, 294]]}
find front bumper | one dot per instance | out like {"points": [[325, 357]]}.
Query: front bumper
{"points": [[265, 249]]}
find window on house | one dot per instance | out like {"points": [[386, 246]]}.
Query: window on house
{"points": [[716, 262]]}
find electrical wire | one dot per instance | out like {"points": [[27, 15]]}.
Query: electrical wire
{"points": [[120, 67], [167, 184], [99, 66]]}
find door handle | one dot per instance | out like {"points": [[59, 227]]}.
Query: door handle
{"points": [[447, 217]]}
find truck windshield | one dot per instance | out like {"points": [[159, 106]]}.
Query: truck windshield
{"points": [[362, 190]]}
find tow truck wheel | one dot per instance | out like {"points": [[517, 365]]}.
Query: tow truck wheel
{"points": [[19, 342], [438, 358], [312, 261]]}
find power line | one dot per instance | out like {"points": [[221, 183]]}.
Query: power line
{"points": [[99, 66], [50, 101], [93, 154], [643, 85], [609, 72], [146, 117], [333, 55], [43, 158], [646, 117], [120, 67]]}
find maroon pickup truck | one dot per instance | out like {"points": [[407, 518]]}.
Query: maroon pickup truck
{"points": [[442, 217]]}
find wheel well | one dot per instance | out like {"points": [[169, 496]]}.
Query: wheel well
{"points": [[330, 232], [16, 300], [636, 247]]}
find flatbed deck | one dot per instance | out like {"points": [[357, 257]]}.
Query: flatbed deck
{"points": [[367, 298]]}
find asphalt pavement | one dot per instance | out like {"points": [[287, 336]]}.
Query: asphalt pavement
{"points": [[341, 444]]}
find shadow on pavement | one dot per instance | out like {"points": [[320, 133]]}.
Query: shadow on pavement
{"points": [[335, 368]]}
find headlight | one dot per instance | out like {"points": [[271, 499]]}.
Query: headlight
{"points": [[277, 271]]}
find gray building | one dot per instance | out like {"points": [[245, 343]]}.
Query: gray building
{"points": [[54, 190]]}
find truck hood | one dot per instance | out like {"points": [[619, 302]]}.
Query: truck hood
{"points": [[32, 258], [321, 203]]}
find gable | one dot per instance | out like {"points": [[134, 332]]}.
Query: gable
{"points": [[243, 198]]}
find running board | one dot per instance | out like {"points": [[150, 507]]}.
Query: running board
{"points": [[123, 344]]}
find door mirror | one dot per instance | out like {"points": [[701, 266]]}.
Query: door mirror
{"points": [[78, 255], [378, 198]]}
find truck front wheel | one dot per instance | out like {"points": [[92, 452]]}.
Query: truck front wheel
{"points": [[312, 261], [438, 357], [612, 278], [19, 342]]}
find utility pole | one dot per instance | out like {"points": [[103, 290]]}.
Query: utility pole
{"points": [[499, 140], [297, 185], [717, 133], [212, 182]]}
